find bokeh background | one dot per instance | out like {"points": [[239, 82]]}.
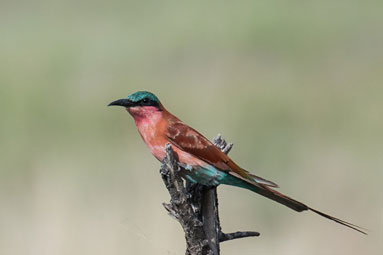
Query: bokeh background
{"points": [[296, 85]]}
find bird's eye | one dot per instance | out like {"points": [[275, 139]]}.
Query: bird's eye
{"points": [[145, 100]]}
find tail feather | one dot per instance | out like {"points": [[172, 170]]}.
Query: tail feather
{"points": [[264, 181], [279, 197], [296, 205], [342, 222]]}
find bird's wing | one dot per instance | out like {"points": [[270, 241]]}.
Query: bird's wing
{"points": [[191, 141]]}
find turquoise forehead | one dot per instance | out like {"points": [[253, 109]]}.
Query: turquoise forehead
{"points": [[139, 95]]}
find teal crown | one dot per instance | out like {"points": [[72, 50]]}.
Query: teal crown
{"points": [[140, 95]]}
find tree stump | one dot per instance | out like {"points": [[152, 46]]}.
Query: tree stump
{"points": [[195, 206]]}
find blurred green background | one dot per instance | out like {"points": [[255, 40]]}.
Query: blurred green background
{"points": [[296, 85]]}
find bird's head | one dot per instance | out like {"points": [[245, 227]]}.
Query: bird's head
{"points": [[140, 104]]}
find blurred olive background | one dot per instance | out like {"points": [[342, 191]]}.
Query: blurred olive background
{"points": [[296, 85]]}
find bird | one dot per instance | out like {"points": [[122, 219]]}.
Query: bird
{"points": [[202, 162]]}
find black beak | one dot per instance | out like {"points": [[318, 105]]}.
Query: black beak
{"points": [[122, 102]]}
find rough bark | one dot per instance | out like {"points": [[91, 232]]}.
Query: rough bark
{"points": [[196, 207]]}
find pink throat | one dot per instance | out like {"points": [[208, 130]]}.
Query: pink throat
{"points": [[145, 114], [148, 122]]}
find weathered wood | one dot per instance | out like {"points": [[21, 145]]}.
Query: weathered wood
{"points": [[196, 207], [210, 219], [181, 206]]}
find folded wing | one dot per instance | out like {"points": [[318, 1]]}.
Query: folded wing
{"points": [[191, 141]]}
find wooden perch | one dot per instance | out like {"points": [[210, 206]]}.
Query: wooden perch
{"points": [[195, 206]]}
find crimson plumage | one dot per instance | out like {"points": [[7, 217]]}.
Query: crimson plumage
{"points": [[204, 162]]}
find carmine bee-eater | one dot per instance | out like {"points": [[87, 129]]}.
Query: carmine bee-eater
{"points": [[202, 162]]}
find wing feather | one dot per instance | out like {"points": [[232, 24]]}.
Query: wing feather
{"points": [[191, 141]]}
